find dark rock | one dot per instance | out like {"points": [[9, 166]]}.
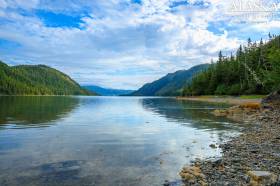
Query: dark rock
{"points": [[254, 151], [272, 99], [166, 183], [218, 162], [213, 146]]}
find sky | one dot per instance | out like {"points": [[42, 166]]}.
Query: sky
{"points": [[127, 43]]}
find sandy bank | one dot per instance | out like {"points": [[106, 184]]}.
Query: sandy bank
{"points": [[228, 100]]}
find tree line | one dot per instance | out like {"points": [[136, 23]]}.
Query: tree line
{"points": [[254, 69]]}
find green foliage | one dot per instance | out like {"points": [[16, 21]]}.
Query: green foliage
{"points": [[221, 90], [255, 69], [36, 80], [234, 90]]}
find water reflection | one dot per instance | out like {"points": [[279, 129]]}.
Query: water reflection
{"points": [[192, 113], [33, 110], [103, 140]]}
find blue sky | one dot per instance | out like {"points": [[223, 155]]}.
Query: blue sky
{"points": [[125, 43]]}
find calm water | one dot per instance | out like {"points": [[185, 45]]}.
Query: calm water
{"points": [[104, 140]]}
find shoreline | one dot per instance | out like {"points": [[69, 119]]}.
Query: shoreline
{"points": [[252, 158], [226, 99]]}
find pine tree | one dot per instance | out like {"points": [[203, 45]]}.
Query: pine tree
{"points": [[254, 70]]}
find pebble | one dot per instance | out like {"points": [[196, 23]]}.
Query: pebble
{"points": [[256, 151]]}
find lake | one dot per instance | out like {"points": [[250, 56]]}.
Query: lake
{"points": [[105, 140]]}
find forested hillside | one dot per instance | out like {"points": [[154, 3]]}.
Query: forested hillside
{"points": [[254, 69], [170, 85], [36, 80]]}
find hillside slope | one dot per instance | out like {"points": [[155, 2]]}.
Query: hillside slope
{"points": [[171, 84], [107, 91], [36, 80]]}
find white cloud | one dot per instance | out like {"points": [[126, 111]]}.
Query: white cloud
{"points": [[24, 4], [118, 44]]}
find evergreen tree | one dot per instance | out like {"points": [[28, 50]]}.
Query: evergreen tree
{"points": [[254, 70]]}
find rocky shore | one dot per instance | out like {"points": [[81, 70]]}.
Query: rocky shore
{"points": [[253, 158]]}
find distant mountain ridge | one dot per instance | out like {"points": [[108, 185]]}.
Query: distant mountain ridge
{"points": [[107, 91], [170, 85], [37, 80]]}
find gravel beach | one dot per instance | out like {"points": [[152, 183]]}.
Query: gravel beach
{"points": [[253, 158]]}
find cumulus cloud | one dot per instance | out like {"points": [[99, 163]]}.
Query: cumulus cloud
{"points": [[117, 43]]}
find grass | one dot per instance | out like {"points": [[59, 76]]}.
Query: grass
{"points": [[252, 96], [228, 96]]}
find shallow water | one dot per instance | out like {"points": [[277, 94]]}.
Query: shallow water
{"points": [[104, 140]]}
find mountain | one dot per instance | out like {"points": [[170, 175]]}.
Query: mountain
{"points": [[37, 80], [171, 84], [107, 91]]}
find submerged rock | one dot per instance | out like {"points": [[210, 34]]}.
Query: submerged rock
{"points": [[220, 112], [239, 113], [192, 175]]}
